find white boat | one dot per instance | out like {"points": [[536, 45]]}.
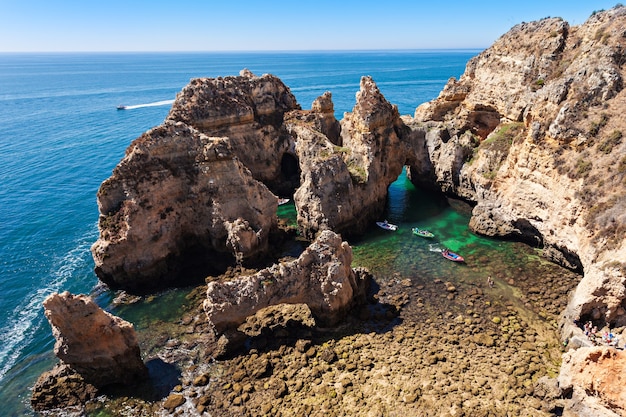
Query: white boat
{"points": [[387, 226], [282, 201]]}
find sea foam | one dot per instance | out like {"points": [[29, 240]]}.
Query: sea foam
{"points": [[26, 319]]}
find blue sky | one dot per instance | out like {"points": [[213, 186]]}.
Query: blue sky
{"points": [[209, 25]]}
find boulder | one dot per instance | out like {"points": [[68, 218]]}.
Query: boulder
{"points": [[97, 345], [275, 317], [61, 387], [321, 278]]}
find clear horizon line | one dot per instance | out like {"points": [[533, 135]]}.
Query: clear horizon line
{"points": [[243, 51]]}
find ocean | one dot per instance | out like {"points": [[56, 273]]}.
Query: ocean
{"points": [[62, 136]]}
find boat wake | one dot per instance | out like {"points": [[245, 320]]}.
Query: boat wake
{"points": [[434, 248], [20, 327], [154, 104]]}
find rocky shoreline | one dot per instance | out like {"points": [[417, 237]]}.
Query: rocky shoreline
{"points": [[476, 351], [525, 133]]}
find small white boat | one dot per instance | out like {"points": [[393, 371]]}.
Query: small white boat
{"points": [[282, 201], [387, 226]]}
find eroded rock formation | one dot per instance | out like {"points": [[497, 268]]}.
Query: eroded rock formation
{"points": [[344, 183], [193, 195], [592, 376], [249, 110], [179, 204], [531, 133], [100, 347], [321, 277]]}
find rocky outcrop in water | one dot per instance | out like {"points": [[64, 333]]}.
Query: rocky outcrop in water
{"points": [[532, 134], [102, 348], [321, 278], [343, 184], [249, 111], [179, 204], [186, 199], [192, 196]]}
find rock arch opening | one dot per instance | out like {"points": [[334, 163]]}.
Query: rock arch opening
{"points": [[289, 174]]}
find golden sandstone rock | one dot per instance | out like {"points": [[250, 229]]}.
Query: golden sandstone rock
{"points": [[530, 134]]}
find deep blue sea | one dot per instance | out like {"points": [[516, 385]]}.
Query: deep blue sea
{"points": [[61, 135]]}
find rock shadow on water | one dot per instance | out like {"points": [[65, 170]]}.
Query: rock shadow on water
{"points": [[162, 378]]}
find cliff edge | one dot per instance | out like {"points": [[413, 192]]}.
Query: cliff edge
{"points": [[532, 134]]}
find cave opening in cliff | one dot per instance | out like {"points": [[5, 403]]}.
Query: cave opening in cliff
{"points": [[290, 174]]}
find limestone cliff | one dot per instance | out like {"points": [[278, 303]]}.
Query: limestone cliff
{"points": [[344, 183], [180, 203], [532, 134], [592, 375], [249, 110]]}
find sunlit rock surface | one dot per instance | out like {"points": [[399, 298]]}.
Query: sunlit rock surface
{"points": [[321, 278]]}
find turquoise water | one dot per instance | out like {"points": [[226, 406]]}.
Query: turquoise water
{"points": [[62, 136], [417, 257]]}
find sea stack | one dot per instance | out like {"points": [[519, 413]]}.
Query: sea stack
{"points": [[99, 346], [96, 349]]}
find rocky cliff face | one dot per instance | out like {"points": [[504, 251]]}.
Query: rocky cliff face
{"points": [[249, 110], [344, 183], [180, 203], [591, 375], [532, 134], [100, 347]]}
